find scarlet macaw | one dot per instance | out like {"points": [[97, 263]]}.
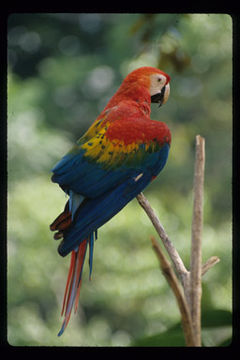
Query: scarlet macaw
{"points": [[119, 155]]}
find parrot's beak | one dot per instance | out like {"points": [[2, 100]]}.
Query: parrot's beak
{"points": [[162, 96]]}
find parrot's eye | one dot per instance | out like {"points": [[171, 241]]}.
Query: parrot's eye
{"points": [[159, 79]]}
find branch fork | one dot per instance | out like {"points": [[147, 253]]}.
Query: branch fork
{"points": [[189, 295]]}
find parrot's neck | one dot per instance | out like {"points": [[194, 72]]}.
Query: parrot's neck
{"points": [[138, 94]]}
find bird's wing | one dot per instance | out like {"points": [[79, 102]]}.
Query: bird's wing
{"points": [[117, 146], [95, 212]]}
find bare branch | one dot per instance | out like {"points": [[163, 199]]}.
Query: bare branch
{"points": [[177, 261], [189, 301], [196, 250], [177, 290], [209, 264]]}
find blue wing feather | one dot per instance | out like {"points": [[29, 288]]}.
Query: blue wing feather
{"points": [[87, 178], [94, 212], [91, 179]]}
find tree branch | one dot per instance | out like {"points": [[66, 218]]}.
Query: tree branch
{"points": [[196, 249], [189, 302], [172, 252], [174, 284], [209, 264]]}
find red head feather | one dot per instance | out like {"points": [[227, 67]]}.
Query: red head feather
{"points": [[136, 86]]}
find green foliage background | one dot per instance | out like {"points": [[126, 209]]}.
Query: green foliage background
{"points": [[63, 68]]}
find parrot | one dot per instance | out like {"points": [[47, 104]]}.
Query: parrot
{"points": [[116, 158]]}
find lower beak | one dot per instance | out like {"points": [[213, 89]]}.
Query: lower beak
{"points": [[162, 96], [158, 98]]}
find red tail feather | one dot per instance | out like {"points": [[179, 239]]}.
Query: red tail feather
{"points": [[72, 290], [70, 272]]}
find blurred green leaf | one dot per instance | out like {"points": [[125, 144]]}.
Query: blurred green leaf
{"points": [[174, 336], [226, 342], [170, 338], [216, 318]]}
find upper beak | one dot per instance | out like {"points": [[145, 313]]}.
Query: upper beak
{"points": [[161, 97]]}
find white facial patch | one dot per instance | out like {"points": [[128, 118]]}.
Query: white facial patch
{"points": [[157, 83]]}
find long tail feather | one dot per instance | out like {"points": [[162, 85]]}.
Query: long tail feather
{"points": [[70, 272], [91, 243], [72, 290]]}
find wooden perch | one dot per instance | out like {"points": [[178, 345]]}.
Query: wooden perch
{"points": [[172, 252], [175, 286], [189, 301], [195, 291]]}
